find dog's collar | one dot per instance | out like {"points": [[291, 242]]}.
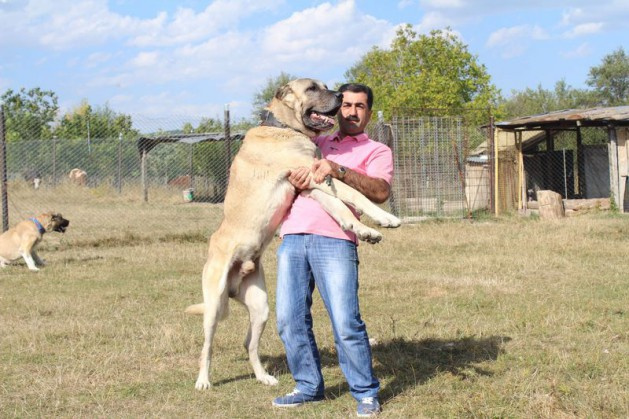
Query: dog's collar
{"points": [[269, 120], [40, 227]]}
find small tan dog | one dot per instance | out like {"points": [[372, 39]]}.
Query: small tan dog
{"points": [[22, 240], [258, 196]]}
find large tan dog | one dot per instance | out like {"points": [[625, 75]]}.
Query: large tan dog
{"points": [[22, 240], [257, 198]]}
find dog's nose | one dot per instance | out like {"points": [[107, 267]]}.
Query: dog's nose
{"points": [[339, 95]]}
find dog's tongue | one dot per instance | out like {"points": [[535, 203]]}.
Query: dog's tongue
{"points": [[322, 118]]}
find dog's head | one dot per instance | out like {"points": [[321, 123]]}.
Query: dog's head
{"points": [[54, 222], [306, 105]]}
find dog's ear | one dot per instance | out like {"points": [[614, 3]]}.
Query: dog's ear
{"points": [[283, 91]]}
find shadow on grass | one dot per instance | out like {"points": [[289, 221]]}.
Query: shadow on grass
{"points": [[404, 364]]}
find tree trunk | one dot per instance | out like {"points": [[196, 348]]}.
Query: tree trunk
{"points": [[550, 205]]}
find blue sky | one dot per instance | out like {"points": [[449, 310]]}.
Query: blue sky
{"points": [[160, 58]]}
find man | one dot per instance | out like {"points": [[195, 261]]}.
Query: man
{"points": [[315, 251]]}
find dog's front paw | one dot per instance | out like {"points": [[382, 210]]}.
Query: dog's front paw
{"points": [[267, 379], [202, 384], [34, 269]]}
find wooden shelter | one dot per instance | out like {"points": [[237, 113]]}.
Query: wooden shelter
{"points": [[147, 143], [517, 137]]}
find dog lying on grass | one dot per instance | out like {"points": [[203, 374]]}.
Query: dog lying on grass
{"points": [[22, 240]]}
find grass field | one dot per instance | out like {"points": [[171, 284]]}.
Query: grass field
{"points": [[492, 318]]}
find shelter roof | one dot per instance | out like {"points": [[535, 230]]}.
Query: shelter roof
{"points": [[147, 143], [570, 118]]}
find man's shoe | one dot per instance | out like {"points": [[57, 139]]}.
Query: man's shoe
{"points": [[369, 406], [294, 399]]}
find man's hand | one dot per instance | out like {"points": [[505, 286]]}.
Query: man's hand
{"points": [[299, 178], [322, 168]]}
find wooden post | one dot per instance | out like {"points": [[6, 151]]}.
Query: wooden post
{"points": [[493, 165], [614, 187], [550, 205], [3, 172], [581, 180], [522, 196]]}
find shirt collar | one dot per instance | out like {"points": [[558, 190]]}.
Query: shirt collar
{"points": [[360, 137]]}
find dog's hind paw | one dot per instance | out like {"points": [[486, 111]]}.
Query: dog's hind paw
{"points": [[267, 379], [388, 221], [202, 385]]}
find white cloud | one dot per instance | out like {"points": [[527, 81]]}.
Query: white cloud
{"points": [[146, 59], [442, 4], [514, 41], [187, 26], [435, 20], [584, 30], [402, 4], [582, 50], [97, 59], [506, 36], [326, 33]]}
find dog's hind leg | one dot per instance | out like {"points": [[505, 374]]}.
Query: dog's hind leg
{"points": [[252, 294], [215, 274]]}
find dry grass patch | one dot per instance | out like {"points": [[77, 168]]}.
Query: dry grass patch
{"points": [[500, 318]]}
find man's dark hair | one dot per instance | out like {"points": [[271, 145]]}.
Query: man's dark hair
{"points": [[359, 88]]}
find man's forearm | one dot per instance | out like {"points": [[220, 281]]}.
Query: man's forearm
{"points": [[377, 190]]}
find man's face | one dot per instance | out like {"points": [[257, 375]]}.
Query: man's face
{"points": [[354, 114]]}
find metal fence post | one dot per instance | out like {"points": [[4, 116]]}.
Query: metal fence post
{"points": [[119, 183], [3, 172], [54, 161], [227, 142]]}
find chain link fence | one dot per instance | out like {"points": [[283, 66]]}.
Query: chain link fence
{"points": [[435, 176], [445, 166]]}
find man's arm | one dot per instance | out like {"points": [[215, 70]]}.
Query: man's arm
{"points": [[377, 190]]}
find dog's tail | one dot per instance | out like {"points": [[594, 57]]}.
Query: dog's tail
{"points": [[195, 309], [223, 311]]}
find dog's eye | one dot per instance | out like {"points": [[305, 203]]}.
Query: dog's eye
{"points": [[312, 88]]}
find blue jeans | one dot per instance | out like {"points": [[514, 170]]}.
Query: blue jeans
{"points": [[306, 261]]}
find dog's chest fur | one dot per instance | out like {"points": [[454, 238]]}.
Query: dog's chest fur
{"points": [[258, 179]]}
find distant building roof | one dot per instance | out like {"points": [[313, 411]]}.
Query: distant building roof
{"points": [[149, 142], [571, 118]]}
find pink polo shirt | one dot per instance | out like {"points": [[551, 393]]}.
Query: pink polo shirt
{"points": [[360, 154]]}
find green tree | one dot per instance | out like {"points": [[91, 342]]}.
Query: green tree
{"points": [[29, 113], [86, 123], [264, 96], [425, 71], [537, 101], [210, 125], [611, 78]]}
